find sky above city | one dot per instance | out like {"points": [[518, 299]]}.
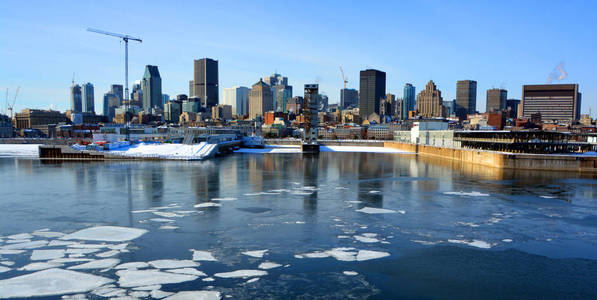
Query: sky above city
{"points": [[500, 44]]}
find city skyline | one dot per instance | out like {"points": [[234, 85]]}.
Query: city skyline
{"points": [[493, 54]]}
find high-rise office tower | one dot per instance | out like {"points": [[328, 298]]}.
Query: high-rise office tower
{"points": [[282, 93], [371, 90], [76, 102], [261, 99], [449, 107], [349, 97], [496, 100], [238, 98], [111, 102], [466, 98], [205, 82], [408, 100], [88, 98], [512, 107], [311, 113], [559, 102], [165, 98], [117, 90], [430, 102], [151, 84]]}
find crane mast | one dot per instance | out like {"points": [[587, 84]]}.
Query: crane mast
{"points": [[344, 79], [126, 39]]}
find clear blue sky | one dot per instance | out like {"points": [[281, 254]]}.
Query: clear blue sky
{"points": [[497, 43]]}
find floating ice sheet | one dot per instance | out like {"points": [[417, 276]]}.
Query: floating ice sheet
{"points": [[132, 265], [47, 254], [172, 263], [203, 255], [162, 220], [49, 283], [97, 264], [373, 210], [256, 253], [166, 214], [369, 254], [350, 273], [473, 243], [106, 233], [4, 269], [195, 295], [364, 239], [108, 253], [207, 204], [157, 294], [20, 236], [224, 199], [168, 227], [188, 271], [469, 194], [268, 265], [133, 278], [241, 274], [40, 266], [26, 245]]}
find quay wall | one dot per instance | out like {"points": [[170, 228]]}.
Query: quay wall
{"points": [[546, 162]]}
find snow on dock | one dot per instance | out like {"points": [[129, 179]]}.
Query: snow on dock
{"points": [[168, 151]]}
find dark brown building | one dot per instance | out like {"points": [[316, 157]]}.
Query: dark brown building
{"points": [[555, 102], [496, 100], [29, 118]]}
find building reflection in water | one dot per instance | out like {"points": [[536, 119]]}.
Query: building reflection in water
{"points": [[310, 165], [151, 179], [370, 180], [205, 181]]}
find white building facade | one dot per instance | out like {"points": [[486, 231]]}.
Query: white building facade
{"points": [[238, 98]]}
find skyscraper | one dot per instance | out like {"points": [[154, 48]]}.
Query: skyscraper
{"points": [[430, 102], [496, 100], [238, 98], [371, 90], [261, 99], [205, 82], [466, 98], [408, 99], [117, 90], [76, 104], [349, 97], [88, 98], [151, 84], [560, 102]]}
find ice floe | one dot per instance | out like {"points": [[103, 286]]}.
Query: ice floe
{"points": [[365, 239], [350, 273], [507, 240], [157, 294], [241, 274], [268, 265], [108, 253], [133, 278], [203, 255], [166, 214], [196, 295], [373, 210], [162, 220], [97, 264], [253, 280], [168, 227], [20, 236], [172, 263], [47, 254], [208, 279], [49, 283], [468, 194], [207, 204], [10, 251], [224, 199], [132, 265], [148, 287], [4, 269], [255, 253], [26, 245], [56, 243], [188, 271], [7, 262], [40, 266], [369, 254], [82, 250], [106, 233], [473, 243], [109, 291]]}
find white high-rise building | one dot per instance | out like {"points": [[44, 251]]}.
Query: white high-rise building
{"points": [[238, 98]]}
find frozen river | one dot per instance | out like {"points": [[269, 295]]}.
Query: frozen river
{"points": [[254, 225]]}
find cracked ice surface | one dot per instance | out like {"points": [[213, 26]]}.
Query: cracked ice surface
{"points": [[106, 233], [50, 282]]}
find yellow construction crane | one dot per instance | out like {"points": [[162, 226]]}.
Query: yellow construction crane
{"points": [[344, 79]]}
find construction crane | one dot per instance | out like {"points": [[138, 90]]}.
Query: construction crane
{"points": [[14, 100], [344, 79], [126, 39]]}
